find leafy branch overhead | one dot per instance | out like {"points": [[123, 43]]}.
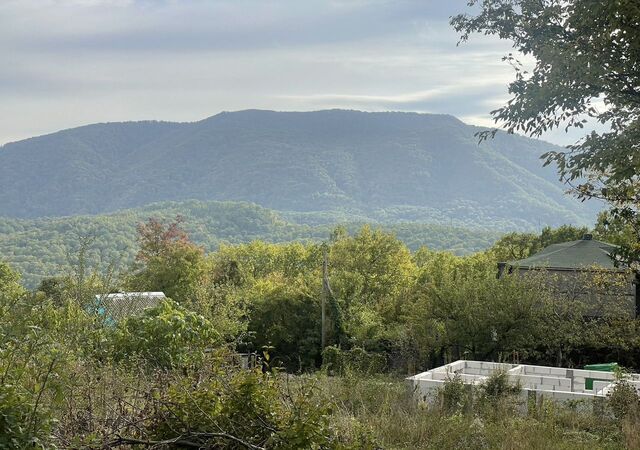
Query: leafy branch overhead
{"points": [[587, 66], [586, 73]]}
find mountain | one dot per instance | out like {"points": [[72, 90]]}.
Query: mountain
{"points": [[44, 246], [385, 166]]}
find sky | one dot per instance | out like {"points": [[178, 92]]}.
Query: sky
{"points": [[65, 63]]}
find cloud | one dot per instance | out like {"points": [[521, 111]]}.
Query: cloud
{"points": [[192, 25], [71, 62]]}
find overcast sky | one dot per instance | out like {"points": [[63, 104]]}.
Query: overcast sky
{"points": [[65, 63]]}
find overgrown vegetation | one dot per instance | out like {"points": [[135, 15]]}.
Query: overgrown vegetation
{"points": [[335, 326], [172, 376]]}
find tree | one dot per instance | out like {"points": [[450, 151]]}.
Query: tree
{"points": [[370, 274], [587, 68], [10, 286], [459, 308], [285, 316], [156, 239], [564, 233], [514, 246], [168, 260], [614, 230]]}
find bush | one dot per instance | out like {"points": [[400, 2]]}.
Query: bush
{"points": [[285, 315], [22, 424], [454, 396], [623, 398], [498, 396], [36, 353], [249, 406], [357, 360], [167, 336]]}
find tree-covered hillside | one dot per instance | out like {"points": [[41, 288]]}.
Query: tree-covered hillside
{"points": [[47, 246], [390, 165]]}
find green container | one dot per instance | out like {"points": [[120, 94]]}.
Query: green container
{"points": [[606, 367]]}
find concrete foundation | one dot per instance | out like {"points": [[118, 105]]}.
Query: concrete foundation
{"points": [[553, 383]]}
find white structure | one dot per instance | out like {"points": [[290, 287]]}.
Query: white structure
{"points": [[555, 383], [118, 306]]}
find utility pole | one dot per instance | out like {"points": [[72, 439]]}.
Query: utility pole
{"points": [[326, 291]]}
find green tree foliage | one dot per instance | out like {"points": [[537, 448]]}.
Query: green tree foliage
{"points": [[375, 166], [169, 261], [40, 343], [614, 230], [586, 53], [10, 286], [371, 273], [622, 230], [285, 316], [462, 310], [170, 376], [356, 361], [514, 246], [277, 287], [40, 248], [165, 336]]}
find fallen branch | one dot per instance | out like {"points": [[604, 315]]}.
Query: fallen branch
{"points": [[184, 441]]}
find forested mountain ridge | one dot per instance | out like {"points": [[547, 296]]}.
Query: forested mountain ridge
{"points": [[49, 246], [396, 166]]}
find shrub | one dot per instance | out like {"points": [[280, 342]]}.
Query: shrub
{"points": [[258, 409], [498, 396], [166, 336], [454, 396], [22, 424], [623, 398], [356, 361]]}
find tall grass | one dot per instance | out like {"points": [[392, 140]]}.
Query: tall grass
{"points": [[381, 412]]}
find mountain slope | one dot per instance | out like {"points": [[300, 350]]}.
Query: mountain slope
{"points": [[41, 247], [427, 166]]}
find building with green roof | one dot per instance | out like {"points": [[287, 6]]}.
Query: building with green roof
{"points": [[574, 266]]}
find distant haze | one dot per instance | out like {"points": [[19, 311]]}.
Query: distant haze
{"points": [[72, 62], [384, 166]]}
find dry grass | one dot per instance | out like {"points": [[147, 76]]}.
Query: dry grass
{"points": [[381, 413]]}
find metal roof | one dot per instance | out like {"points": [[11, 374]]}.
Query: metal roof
{"points": [[121, 305], [581, 254]]}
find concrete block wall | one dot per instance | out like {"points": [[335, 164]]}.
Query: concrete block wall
{"points": [[601, 387], [554, 383], [542, 383], [426, 390], [563, 396], [580, 379], [544, 370], [466, 378], [483, 365]]}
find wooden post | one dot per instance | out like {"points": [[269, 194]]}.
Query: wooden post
{"points": [[325, 293]]}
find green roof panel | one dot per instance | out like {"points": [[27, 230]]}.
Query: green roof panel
{"points": [[580, 254]]}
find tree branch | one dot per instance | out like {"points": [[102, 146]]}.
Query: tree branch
{"points": [[183, 440]]}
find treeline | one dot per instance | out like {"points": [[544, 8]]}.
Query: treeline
{"points": [[40, 248], [416, 309]]}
